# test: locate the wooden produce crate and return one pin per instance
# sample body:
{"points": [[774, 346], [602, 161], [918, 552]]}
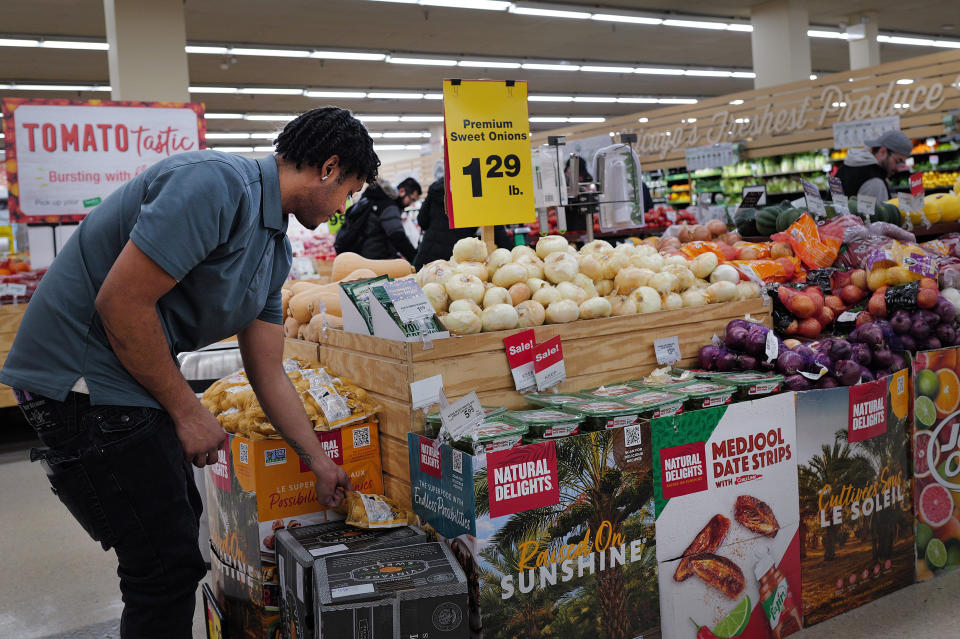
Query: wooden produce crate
{"points": [[596, 352], [10, 317]]}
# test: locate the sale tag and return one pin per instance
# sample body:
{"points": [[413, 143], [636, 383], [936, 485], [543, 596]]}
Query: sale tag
{"points": [[409, 300], [866, 205], [916, 183], [520, 358], [667, 349], [814, 202], [426, 392], [462, 418], [548, 367], [840, 203], [487, 153]]}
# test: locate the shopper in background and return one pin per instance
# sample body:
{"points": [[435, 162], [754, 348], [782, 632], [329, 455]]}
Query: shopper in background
{"points": [[373, 227], [438, 238], [865, 171], [191, 251]]}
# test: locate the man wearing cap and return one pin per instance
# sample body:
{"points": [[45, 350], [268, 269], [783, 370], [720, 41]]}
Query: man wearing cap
{"points": [[865, 172]]}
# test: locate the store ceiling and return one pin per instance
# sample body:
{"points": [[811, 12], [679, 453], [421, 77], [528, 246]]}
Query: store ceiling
{"points": [[447, 32]]}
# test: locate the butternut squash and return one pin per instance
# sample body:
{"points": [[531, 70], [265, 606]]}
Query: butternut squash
{"points": [[305, 305], [346, 263], [359, 274], [300, 286], [285, 295], [291, 328]]}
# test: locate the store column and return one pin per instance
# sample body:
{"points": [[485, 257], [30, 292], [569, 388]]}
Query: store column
{"points": [[862, 36], [147, 58], [781, 47]]}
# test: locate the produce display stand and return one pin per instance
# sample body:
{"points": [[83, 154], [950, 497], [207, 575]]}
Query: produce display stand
{"points": [[596, 352], [10, 317]]}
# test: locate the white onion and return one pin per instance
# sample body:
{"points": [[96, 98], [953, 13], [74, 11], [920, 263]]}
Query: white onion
{"points": [[535, 284], [693, 298], [551, 244], [622, 305], [497, 259], [630, 279], [462, 322], [465, 287], [700, 284], [477, 269], [748, 290], [560, 267], [677, 260], [596, 247], [469, 249], [604, 287], [664, 282], [570, 291], [496, 295], [547, 295], [465, 305], [672, 302], [628, 249], [509, 274], [532, 263], [530, 313], [704, 264], [611, 263], [721, 291], [590, 266], [683, 274], [586, 284], [437, 295], [438, 271], [562, 311], [725, 273], [653, 262], [519, 292], [595, 307], [647, 300], [522, 250], [645, 249], [499, 317]]}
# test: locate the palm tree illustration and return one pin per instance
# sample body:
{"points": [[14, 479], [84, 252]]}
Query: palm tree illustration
{"points": [[835, 466]]}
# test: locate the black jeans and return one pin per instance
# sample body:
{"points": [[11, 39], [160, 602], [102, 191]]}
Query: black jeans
{"points": [[120, 472]]}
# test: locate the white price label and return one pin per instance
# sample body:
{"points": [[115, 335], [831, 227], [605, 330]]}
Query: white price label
{"points": [[814, 202], [772, 347], [551, 376], [815, 376], [348, 591], [462, 417], [668, 350], [911, 203], [934, 160], [519, 348], [409, 300], [17, 290], [328, 550], [847, 316], [426, 392], [866, 205]]}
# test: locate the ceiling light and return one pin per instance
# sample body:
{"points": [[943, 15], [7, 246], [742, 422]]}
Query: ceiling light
{"points": [[947, 44], [813, 76], [637, 100], [68, 44], [614, 17], [405, 134], [904, 81], [818, 33], [213, 89], [263, 136], [378, 118], [530, 9], [743, 74], [595, 98], [550, 98], [695, 24], [489, 64], [396, 147], [489, 5], [18, 42], [742, 27], [228, 136], [421, 118], [56, 87], [536, 66], [223, 116], [691, 120], [274, 53], [577, 119], [432, 96], [708, 73], [430, 62], [268, 117], [270, 91], [736, 102], [194, 48], [643, 120], [657, 71], [920, 42], [348, 55], [604, 69], [385, 95], [335, 94], [548, 119], [263, 149], [677, 100]]}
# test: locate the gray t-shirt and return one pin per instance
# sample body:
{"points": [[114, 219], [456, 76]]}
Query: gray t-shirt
{"points": [[213, 221]]}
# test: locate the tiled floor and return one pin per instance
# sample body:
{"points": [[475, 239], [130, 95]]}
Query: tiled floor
{"points": [[58, 584]]}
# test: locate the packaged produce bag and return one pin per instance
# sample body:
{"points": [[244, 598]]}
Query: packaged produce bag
{"points": [[814, 250]]}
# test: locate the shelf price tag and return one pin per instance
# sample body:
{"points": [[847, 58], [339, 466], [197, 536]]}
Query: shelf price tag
{"points": [[840, 202], [520, 357], [916, 183], [814, 202], [335, 222], [753, 196], [668, 350], [910, 203], [487, 153], [409, 300], [426, 392], [462, 417], [548, 366], [866, 204]]}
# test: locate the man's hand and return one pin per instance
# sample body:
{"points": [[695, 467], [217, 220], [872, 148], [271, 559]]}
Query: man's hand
{"points": [[200, 435], [332, 482]]}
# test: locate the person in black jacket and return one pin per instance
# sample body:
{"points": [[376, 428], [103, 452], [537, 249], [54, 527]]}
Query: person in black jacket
{"points": [[438, 238], [865, 172], [383, 235]]}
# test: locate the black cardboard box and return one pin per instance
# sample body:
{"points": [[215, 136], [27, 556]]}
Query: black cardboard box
{"points": [[298, 549], [414, 592]]}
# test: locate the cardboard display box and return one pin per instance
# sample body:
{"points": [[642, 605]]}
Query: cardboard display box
{"points": [[725, 481], [251, 606], [259, 487], [936, 461], [555, 538], [415, 591], [856, 511], [298, 549]]}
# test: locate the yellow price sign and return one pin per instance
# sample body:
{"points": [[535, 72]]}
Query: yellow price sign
{"points": [[487, 153], [335, 222]]}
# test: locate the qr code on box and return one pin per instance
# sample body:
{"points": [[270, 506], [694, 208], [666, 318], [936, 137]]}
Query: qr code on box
{"points": [[244, 453], [631, 436], [457, 458], [361, 437]]}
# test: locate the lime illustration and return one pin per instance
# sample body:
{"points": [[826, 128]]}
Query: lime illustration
{"points": [[936, 554], [736, 622], [927, 383], [924, 534], [953, 553], [925, 410]]}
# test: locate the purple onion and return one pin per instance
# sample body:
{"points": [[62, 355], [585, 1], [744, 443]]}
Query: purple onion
{"points": [[797, 383], [945, 310], [848, 372], [735, 337], [933, 343], [908, 343], [841, 349], [883, 372], [927, 316], [747, 362], [866, 375], [790, 362], [726, 361], [901, 322], [946, 333], [708, 357], [920, 330], [828, 381], [861, 354], [882, 358], [899, 362]]}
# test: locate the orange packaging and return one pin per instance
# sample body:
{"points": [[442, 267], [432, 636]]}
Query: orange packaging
{"points": [[762, 248], [807, 244], [258, 487]]}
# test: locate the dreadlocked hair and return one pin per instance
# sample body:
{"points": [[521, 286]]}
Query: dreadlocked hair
{"points": [[313, 137]]}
